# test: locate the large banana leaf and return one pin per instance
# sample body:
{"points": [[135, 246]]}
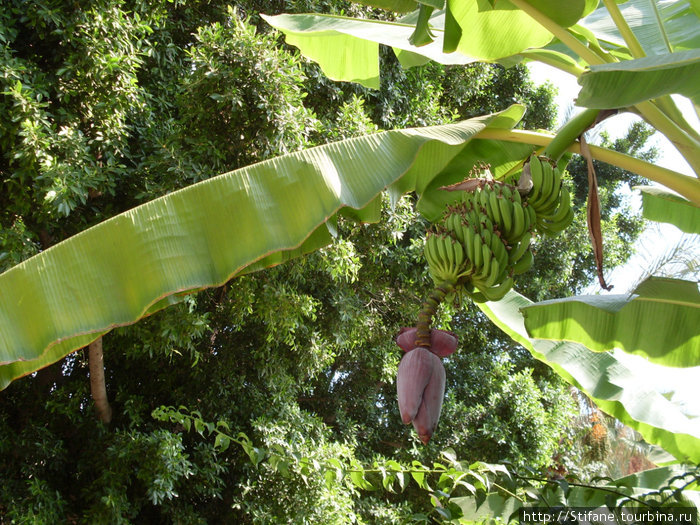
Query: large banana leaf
{"points": [[670, 336], [138, 262], [676, 25], [663, 206], [348, 48], [607, 381], [624, 84]]}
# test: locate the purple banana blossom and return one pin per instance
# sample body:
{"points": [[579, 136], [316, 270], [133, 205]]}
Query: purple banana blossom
{"points": [[420, 385]]}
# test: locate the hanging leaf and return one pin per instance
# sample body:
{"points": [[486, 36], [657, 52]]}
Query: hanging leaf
{"points": [[611, 385], [593, 213], [663, 206], [422, 35], [623, 84], [144, 259], [669, 335]]}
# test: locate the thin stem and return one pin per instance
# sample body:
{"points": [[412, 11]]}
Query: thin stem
{"points": [[630, 39], [521, 500], [688, 187], [582, 485], [560, 32]]}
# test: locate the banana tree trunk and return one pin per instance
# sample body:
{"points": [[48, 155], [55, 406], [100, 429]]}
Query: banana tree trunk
{"points": [[98, 389]]}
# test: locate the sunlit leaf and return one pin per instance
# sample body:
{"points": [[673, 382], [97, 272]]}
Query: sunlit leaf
{"points": [[611, 385], [398, 6], [679, 25], [114, 273], [347, 48], [663, 206], [474, 29], [603, 322], [563, 13]]}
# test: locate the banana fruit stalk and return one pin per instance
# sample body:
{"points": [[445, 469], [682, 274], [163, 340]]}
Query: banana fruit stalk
{"points": [[420, 385], [442, 342]]}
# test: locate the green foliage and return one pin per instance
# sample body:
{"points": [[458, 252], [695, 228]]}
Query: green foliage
{"points": [[110, 104]]}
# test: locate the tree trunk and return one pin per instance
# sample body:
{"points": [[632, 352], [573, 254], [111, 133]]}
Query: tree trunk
{"points": [[97, 381]]}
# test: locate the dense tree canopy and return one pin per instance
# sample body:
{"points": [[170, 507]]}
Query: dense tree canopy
{"points": [[105, 105]]}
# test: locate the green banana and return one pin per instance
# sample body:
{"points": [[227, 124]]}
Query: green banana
{"points": [[536, 175], [547, 186], [495, 293], [518, 250], [494, 207], [519, 225], [486, 260], [524, 263], [562, 210], [531, 214], [554, 228], [550, 204], [506, 210], [498, 248]]}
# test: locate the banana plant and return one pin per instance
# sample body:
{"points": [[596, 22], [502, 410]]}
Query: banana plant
{"points": [[627, 56], [143, 260], [147, 258]]}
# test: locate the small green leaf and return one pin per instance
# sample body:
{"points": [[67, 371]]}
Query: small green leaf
{"points": [[330, 477], [222, 442]]}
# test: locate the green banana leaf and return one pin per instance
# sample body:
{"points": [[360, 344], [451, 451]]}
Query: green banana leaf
{"points": [[604, 322], [475, 29], [565, 14], [144, 259], [663, 206], [348, 48], [623, 84], [676, 25], [610, 384]]}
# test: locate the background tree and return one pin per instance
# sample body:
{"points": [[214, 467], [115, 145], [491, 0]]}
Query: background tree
{"points": [[106, 105]]}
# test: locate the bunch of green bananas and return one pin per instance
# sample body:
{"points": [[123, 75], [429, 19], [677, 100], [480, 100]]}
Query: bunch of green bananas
{"points": [[482, 241], [550, 200]]}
